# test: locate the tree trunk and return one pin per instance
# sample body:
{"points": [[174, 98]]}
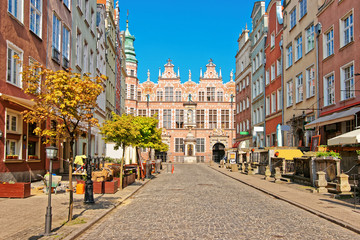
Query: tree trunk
{"points": [[138, 163], [71, 190], [122, 167]]}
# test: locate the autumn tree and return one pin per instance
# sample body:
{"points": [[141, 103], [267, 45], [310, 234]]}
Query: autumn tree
{"points": [[127, 130], [65, 97]]}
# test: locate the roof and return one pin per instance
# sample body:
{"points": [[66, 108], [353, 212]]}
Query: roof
{"points": [[334, 118], [289, 154]]}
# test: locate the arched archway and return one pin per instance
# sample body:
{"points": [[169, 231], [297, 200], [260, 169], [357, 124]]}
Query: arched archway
{"points": [[218, 152]]}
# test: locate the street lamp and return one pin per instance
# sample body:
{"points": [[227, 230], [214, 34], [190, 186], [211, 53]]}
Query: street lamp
{"points": [[51, 153], [89, 194]]}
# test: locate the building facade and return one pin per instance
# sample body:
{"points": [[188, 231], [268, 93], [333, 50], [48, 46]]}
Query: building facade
{"points": [[206, 107], [258, 39], [243, 123], [273, 74], [23, 31], [338, 63], [300, 70]]}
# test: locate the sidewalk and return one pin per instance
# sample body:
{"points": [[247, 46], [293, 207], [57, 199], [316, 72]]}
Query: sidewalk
{"points": [[323, 205], [25, 218]]}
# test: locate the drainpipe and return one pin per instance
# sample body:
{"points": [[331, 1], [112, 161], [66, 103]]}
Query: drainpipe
{"points": [[318, 32], [282, 88]]}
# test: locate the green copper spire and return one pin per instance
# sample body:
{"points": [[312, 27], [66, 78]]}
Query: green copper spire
{"points": [[129, 45]]}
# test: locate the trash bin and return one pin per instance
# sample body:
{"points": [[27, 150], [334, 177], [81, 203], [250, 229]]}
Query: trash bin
{"points": [[157, 165], [148, 169]]}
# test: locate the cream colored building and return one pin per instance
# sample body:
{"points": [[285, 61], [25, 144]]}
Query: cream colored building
{"points": [[300, 70]]}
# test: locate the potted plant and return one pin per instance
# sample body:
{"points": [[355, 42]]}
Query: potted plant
{"points": [[322, 148], [330, 154]]}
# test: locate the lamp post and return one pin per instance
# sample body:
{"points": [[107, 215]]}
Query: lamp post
{"points": [[51, 153], [89, 194]]}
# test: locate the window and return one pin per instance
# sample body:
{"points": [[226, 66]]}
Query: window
{"points": [[67, 3], [237, 88], [200, 118], [210, 94], [243, 105], [298, 52], [267, 106], [310, 82], [240, 107], [347, 82], [220, 97], [12, 121], [201, 96], [169, 94], [309, 45], [289, 93], [279, 67], [267, 77], [78, 49], [66, 47], [35, 16], [132, 111], [159, 96], [200, 145], [254, 117], [272, 72], [299, 88], [179, 145], [279, 99], [155, 114], [86, 12], [254, 90], [132, 92], [213, 118], [15, 7], [13, 68], [12, 147], [303, 8], [167, 118], [225, 121], [272, 42], [247, 125], [247, 102], [293, 18], [91, 62], [247, 81], [273, 102], [132, 73], [86, 58], [237, 128], [56, 38], [139, 96], [329, 90], [289, 56], [348, 30], [178, 96], [240, 130], [329, 43], [179, 118], [142, 112]]}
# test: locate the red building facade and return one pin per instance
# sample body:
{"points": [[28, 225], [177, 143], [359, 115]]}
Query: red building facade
{"points": [[273, 72], [21, 152]]}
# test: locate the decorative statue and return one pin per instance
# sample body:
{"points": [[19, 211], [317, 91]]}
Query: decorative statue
{"points": [[189, 97], [189, 116], [190, 150]]}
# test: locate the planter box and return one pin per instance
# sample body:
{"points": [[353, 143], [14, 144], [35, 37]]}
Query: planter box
{"points": [[124, 183], [16, 190], [111, 187], [131, 179], [118, 180], [98, 187]]}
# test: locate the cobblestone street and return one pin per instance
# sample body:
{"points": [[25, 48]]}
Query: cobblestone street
{"points": [[197, 202]]}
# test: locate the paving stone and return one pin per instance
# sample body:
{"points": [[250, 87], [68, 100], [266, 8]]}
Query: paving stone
{"points": [[198, 203]]}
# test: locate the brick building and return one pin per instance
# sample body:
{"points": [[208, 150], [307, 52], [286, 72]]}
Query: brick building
{"points": [[273, 72], [23, 31], [339, 84]]}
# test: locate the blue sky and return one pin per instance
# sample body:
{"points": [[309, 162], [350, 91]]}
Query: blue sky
{"points": [[188, 32]]}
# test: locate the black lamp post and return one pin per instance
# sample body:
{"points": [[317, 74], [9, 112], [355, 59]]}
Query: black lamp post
{"points": [[89, 186], [51, 153]]}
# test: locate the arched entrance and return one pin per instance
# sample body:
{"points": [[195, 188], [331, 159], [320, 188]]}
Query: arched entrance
{"points": [[218, 152]]}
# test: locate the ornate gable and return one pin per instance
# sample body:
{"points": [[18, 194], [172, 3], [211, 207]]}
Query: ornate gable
{"points": [[169, 70], [211, 71]]}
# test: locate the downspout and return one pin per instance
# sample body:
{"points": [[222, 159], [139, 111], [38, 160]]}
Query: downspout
{"points": [[282, 89], [318, 31]]}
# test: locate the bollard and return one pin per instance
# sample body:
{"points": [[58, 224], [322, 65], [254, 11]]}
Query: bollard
{"points": [[234, 167], [321, 183], [343, 185], [267, 173], [243, 167], [249, 168], [277, 175]]}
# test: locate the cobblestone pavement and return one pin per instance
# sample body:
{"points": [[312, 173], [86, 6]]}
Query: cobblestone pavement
{"points": [[197, 202]]}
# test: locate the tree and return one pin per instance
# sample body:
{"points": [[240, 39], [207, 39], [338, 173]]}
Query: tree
{"points": [[127, 130], [65, 97]]}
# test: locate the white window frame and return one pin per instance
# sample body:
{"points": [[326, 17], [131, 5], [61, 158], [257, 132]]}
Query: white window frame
{"points": [[289, 93], [200, 145], [289, 56], [292, 18], [273, 102], [17, 13], [67, 3], [328, 43], [78, 48], [267, 105], [272, 40], [329, 97], [279, 99], [299, 88], [267, 77], [36, 11], [310, 38], [66, 43], [347, 29], [15, 77], [273, 72], [299, 47], [302, 8], [310, 81], [278, 67], [343, 81]]}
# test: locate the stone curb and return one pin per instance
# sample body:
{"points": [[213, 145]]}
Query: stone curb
{"points": [[81, 230], [306, 208]]}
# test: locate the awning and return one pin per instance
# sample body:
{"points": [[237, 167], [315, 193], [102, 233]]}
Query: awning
{"points": [[21, 101], [235, 145], [334, 118], [352, 137], [289, 154]]}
